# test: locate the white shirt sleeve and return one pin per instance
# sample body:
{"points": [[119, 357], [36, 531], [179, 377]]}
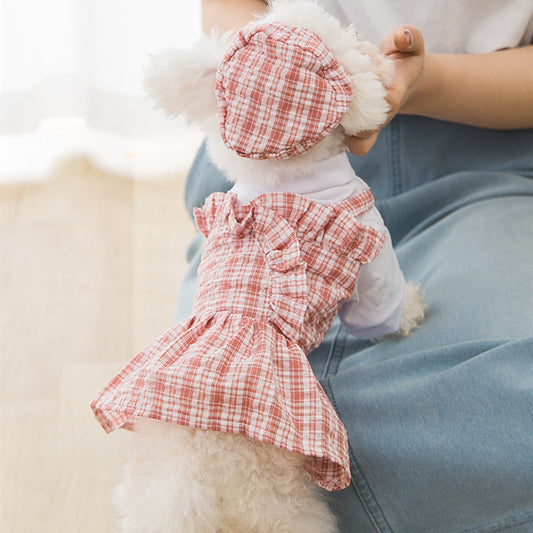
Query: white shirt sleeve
{"points": [[375, 307]]}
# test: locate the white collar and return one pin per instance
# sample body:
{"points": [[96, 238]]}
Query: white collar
{"points": [[330, 180]]}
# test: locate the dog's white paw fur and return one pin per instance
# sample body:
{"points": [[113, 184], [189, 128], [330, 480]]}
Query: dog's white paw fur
{"points": [[413, 310], [183, 480]]}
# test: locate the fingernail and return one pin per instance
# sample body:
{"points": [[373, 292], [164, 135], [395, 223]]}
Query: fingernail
{"points": [[409, 37]]}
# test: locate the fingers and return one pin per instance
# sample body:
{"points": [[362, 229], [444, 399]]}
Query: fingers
{"points": [[404, 45], [403, 40], [408, 39], [361, 145]]}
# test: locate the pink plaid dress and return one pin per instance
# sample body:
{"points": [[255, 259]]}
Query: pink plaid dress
{"points": [[272, 277]]}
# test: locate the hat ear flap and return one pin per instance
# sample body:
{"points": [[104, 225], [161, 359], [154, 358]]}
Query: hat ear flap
{"points": [[181, 82]]}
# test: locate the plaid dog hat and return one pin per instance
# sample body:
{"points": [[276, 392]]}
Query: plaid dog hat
{"points": [[280, 91]]}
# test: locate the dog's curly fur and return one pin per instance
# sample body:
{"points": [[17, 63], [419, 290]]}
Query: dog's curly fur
{"points": [[184, 480], [179, 479]]}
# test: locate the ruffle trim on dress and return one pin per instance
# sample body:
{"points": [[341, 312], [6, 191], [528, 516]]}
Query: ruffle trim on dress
{"points": [[238, 376], [284, 222], [331, 226], [281, 251]]}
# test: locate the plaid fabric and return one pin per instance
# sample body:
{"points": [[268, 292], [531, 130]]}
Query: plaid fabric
{"points": [[280, 91], [271, 279]]}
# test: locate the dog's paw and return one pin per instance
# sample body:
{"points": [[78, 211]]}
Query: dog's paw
{"points": [[413, 310]]}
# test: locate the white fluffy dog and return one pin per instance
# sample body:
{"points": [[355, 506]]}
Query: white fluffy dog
{"points": [[184, 479]]}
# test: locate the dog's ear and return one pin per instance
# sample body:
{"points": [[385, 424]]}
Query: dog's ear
{"points": [[371, 76], [181, 82]]}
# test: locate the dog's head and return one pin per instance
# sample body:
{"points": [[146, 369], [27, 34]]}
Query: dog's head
{"points": [[278, 95]]}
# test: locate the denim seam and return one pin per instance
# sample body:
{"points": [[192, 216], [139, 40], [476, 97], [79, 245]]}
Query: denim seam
{"points": [[502, 525], [335, 353], [367, 497], [395, 158], [359, 481]]}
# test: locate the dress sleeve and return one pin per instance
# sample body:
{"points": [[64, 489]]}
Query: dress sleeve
{"points": [[375, 307]]}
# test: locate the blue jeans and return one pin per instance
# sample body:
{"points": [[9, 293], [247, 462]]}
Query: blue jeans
{"points": [[440, 424]]}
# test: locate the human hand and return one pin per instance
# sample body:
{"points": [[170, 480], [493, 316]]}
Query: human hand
{"points": [[405, 46]]}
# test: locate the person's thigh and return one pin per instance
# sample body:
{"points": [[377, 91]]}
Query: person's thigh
{"points": [[441, 424]]}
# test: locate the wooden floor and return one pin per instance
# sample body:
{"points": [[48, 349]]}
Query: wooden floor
{"points": [[89, 267]]}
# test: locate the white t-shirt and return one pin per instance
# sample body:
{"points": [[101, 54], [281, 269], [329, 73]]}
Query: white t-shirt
{"points": [[375, 308], [448, 26]]}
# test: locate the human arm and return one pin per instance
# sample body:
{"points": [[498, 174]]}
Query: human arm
{"points": [[491, 90], [227, 15]]}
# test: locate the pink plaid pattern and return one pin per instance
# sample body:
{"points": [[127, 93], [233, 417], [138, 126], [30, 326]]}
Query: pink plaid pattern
{"points": [[280, 91], [273, 274]]}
